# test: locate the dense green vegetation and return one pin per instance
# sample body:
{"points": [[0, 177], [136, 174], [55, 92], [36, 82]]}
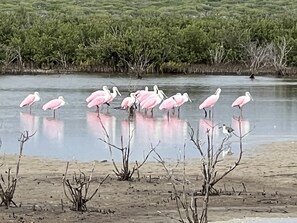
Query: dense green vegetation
{"points": [[149, 36], [196, 8]]}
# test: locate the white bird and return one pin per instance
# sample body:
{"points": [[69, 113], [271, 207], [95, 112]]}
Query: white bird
{"points": [[227, 130], [227, 151]]}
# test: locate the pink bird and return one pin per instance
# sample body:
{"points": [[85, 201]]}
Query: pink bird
{"points": [[210, 101], [145, 94], [140, 92], [114, 93], [97, 93], [180, 100], [242, 100], [54, 104], [169, 103], [152, 101], [99, 101], [128, 102], [30, 100]]}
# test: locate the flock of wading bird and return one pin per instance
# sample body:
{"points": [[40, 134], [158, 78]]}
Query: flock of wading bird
{"points": [[142, 99]]}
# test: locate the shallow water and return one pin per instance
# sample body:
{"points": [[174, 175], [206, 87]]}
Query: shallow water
{"points": [[74, 133]]}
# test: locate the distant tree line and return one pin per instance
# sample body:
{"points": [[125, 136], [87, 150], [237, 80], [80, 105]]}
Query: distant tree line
{"points": [[147, 43]]}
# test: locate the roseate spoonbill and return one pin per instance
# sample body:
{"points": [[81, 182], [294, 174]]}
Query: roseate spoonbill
{"points": [[152, 101], [138, 93], [99, 101], [114, 93], [128, 102], [145, 94], [210, 101], [242, 100], [169, 103], [54, 104], [180, 100], [30, 100], [97, 93]]}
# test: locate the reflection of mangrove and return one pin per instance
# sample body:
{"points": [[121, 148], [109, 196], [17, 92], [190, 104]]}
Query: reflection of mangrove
{"points": [[53, 129], [29, 122], [95, 127]]}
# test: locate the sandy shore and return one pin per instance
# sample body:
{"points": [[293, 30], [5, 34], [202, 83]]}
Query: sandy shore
{"points": [[268, 172]]}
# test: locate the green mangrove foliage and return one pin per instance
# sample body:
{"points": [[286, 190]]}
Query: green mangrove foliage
{"points": [[150, 42]]}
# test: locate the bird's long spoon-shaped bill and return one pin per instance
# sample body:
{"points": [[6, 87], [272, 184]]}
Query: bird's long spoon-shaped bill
{"points": [[118, 92], [162, 92]]}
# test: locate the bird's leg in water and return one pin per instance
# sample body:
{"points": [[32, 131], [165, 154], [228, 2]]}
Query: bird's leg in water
{"points": [[205, 112], [131, 111]]}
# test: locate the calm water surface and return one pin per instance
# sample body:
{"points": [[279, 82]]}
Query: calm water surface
{"points": [[74, 133]]}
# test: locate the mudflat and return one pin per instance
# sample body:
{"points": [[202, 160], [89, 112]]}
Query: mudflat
{"points": [[263, 185]]}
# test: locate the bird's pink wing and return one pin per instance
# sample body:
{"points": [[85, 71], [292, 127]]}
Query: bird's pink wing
{"points": [[179, 100], [145, 95], [125, 103], [94, 95], [28, 100], [53, 104], [98, 101], [148, 103], [209, 102], [167, 104], [238, 101]]}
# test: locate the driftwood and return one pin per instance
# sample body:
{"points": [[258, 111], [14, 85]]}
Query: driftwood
{"points": [[125, 172], [77, 189], [8, 183], [186, 195]]}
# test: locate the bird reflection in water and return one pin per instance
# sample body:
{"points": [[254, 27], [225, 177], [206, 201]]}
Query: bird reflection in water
{"points": [[53, 129], [146, 127], [128, 131], [208, 125], [29, 122], [238, 123], [227, 150], [95, 123], [174, 129]]}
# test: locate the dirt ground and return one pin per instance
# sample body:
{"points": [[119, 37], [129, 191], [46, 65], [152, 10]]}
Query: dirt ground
{"points": [[268, 173]]}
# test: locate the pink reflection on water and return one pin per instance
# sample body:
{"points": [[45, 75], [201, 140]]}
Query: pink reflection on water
{"points": [[53, 129], [29, 122], [128, 131], [147, 127], [208, 125], [238, 122], [171, 132], [174, 129], [95, 128]]}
